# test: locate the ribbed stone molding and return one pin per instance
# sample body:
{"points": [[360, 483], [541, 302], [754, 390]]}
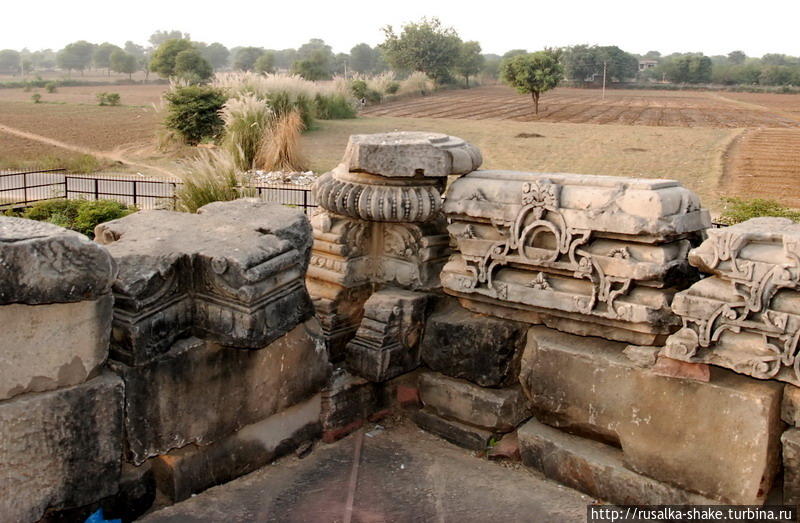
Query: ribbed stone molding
{"points": [[375, 198]]}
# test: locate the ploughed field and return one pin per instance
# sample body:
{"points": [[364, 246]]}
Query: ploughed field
{"points": [[620, 107]]}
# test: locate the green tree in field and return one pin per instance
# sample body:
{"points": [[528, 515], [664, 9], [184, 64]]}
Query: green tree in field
{"points": [[191, 66], [736, 57], [363, 58], [101, 57], [265, 63], [580, 63], [246, 57], [316, 67], [76, 56], [533, 73], [135, 50], [688, 68], [161, 36], [470, 60], [122, 62], [491, 64], [620, 66], [10, 61], [216, 54], [425, 46], [163, 60], [194, 112], [514, 52]]}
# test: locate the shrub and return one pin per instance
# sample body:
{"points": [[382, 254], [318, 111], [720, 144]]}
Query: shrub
{"points": [[79, 215], [737, 210], [333, 107], [246, 120], [51, 87], [280, 147], [108, 98], [359, 88], [211, 177], [194, 112], [37, 98], [392, 87]]}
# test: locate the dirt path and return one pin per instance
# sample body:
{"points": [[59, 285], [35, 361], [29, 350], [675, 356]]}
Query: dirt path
{"points": [[108, 155]]}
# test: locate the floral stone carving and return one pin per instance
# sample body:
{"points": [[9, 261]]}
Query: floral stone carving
{"points": [[591, 255]]}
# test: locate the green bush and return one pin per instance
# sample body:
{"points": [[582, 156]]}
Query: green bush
{"points": [[282, 104], [108, 98], [194, 112], [37, 98], [359, 88], [51, 87], [392, 87], [79, 215], [333, 107], [737, 210]]}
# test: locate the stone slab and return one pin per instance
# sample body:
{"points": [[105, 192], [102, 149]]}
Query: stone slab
{"points": [[496, 410], [461, 434], [193, 468], [791, 466], [594, 468], [674, 430], [43, 263], [475, 347], [60, 449], [790, 406], [200, 392], [44, 347]]}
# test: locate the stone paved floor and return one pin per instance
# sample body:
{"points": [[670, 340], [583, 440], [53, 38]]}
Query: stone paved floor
{"points": [[403, 474]]}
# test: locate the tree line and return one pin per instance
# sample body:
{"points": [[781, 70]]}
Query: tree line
{"points": [[425, 46]]}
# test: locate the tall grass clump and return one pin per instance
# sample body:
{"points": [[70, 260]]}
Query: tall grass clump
{"points": [[280, 146], [246, 119], [417, 84], [211, 177]]}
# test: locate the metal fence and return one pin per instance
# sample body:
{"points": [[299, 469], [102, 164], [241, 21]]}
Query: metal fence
{"points": [[23, 188]]}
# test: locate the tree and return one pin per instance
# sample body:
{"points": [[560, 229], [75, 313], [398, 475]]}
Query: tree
{"points": [[491, 64], [216, 54], [101, 57], [159, 37], [122, 62], [470, 60], [191, 66], [775, 59], [75, 56], [163, 60], [245, 58], [316, 67], [134, 50], [514, 52], [620, 65], [580, 63], [10, 61], [736, 57], [194, 112], [265, 63], [363, 58], [533, 73], [284, 58], [688, 68], [426, 46]]}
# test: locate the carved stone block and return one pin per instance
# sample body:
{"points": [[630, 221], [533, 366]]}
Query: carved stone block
{"points": [[42, 263], [233, 274], [745, 317], [199, 391], [677, 431], [591, 255], [387, 341]]}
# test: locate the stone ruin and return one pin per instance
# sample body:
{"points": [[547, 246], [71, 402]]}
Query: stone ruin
{"points": [[594, 327]]}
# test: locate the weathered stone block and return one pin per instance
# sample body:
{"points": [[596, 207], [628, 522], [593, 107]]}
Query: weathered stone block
{"points": [[590, 255], [193, 468], [233, 274], [475, 347], [44, 347], [410, 154], [790, 406], [461, 434], [496, 410], [594, 468], [347, 401], [675, 430], [791, 466], [42, 263], [200, 391], [746, 317], [387, 342], [60, 449]]}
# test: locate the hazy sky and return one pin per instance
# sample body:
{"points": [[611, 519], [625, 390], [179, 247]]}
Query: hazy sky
{"points": [[710, 26]]}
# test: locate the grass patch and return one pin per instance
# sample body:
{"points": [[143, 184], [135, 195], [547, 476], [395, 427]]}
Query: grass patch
{"points": [[737, 210]]}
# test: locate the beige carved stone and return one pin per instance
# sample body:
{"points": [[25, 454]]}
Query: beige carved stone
{"points": [[380, 223], [746, 316], [592, 255]]}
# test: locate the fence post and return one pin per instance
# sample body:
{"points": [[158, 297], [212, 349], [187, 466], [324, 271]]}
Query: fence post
{"points": [[96, 189], [134, 193], [305, 201], [25, 187], [66, 187]]}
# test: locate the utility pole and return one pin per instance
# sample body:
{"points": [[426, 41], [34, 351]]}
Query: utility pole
{"points": [[605, 64]]}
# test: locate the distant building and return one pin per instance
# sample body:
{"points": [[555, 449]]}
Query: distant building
{"points": [[647, 64]]}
